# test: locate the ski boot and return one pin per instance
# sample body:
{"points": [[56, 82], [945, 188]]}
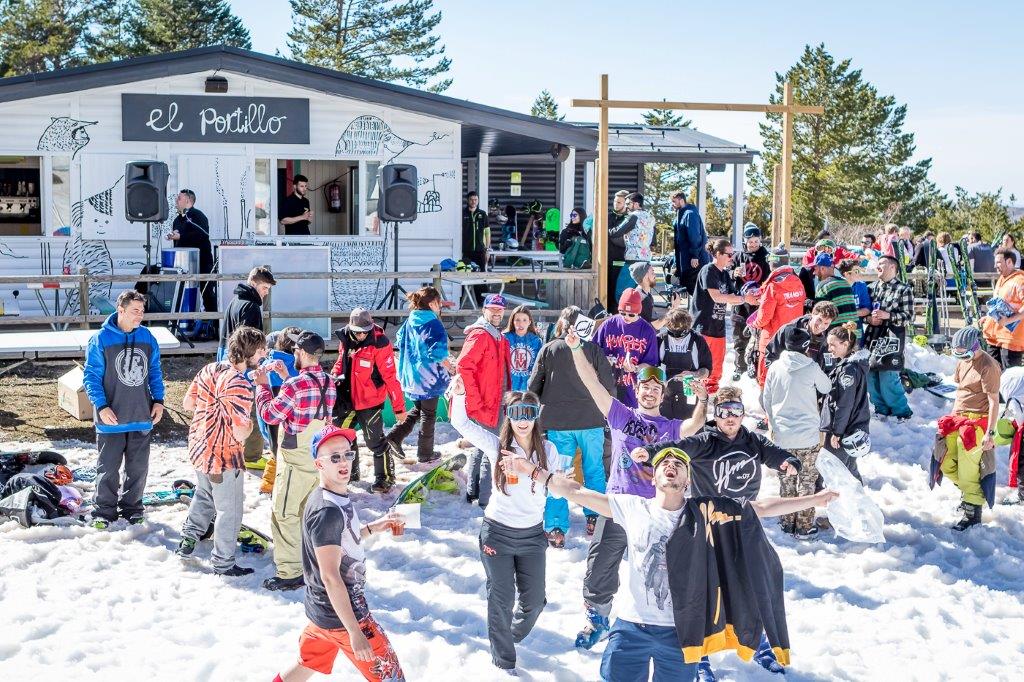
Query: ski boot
{"points": [[595, 630], [971, 517]]}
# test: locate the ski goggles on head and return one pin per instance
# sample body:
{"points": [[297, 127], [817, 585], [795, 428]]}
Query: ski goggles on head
{"points": [[649, 372], [674, 453], [522, 412], [730, 409]]}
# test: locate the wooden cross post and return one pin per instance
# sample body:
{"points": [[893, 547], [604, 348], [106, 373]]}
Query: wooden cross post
{"points": [[788, 109]]}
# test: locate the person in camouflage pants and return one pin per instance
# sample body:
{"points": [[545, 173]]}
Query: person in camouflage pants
{"points": [[802, 484]]}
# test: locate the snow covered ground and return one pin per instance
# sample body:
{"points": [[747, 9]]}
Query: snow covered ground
{"points": [[929, 604]]}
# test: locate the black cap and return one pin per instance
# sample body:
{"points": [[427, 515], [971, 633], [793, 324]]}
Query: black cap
{"points": [[311, 342]]}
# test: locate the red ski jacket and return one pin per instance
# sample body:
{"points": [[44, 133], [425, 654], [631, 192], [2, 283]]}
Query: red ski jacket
{"points": [[484, 365], [373, 376], [782, 301]]}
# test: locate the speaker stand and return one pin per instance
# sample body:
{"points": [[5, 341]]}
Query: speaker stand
{"points": [[396, 294]]}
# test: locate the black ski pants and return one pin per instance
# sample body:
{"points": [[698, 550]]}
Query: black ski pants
{"points": [[514, 562]]}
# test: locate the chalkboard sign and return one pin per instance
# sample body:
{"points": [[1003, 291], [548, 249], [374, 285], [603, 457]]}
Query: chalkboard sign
{"points": [[208, 118]]}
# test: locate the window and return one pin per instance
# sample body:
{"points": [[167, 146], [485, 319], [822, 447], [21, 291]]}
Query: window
{"points": [[20, 196], [60, 195], [372, 197], [262, 199]]}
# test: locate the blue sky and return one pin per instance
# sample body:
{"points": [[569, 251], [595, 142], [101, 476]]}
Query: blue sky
{"points": [[957, 65]]}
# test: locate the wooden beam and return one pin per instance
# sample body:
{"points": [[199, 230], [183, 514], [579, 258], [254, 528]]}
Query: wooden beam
{"points": [[601, 201], [787, 166], [604, 103]]}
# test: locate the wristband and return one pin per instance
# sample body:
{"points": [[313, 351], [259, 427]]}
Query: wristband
{"points": [[548, 479]]}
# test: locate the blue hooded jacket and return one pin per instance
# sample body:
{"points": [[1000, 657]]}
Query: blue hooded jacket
{"points": [[690, 237], [422, 343], [122, 372]]}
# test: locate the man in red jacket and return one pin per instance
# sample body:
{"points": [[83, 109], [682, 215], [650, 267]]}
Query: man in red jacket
{"points": [[484, 365], [782, 301], [365, 372]]}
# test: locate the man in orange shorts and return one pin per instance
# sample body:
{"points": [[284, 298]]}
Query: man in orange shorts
{"points": [[335, 573]]}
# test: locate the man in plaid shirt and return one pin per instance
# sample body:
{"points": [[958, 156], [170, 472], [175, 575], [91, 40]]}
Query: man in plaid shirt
{"points": [[886, 337], [302, 408]]}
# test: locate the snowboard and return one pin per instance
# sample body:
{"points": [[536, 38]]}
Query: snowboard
{"points": [[252, 541], [180, 491], [943, 390], [438, 478]]}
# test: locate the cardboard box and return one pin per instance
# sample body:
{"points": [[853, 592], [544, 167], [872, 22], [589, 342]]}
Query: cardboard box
{"points": [[71, 395]]}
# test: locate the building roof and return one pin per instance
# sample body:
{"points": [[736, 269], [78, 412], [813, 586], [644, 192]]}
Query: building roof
{"points": [[484, 128], [643, 143]]}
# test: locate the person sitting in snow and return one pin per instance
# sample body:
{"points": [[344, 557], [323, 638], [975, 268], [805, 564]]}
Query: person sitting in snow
{"points": [[964, 445]]}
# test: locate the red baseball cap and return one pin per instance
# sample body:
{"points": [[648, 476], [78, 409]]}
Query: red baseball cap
{"points": [[630, 301], [327, 433]]}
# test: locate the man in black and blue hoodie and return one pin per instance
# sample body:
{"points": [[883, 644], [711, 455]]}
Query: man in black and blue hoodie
{"points": [[125, 384]]}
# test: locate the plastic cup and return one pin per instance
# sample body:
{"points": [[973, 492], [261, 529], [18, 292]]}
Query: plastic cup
{"points": [[687, 385], [397, 527], [511, 476]]}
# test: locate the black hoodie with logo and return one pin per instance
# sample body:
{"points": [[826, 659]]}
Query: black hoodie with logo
{"points": [[728, 468]]}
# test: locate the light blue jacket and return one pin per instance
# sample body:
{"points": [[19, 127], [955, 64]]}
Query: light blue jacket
{"points": [[422, 344]]}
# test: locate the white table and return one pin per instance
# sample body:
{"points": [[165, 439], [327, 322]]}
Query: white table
{"points": [[541, 258], [468, 284], [30, 344], [58, 309]]}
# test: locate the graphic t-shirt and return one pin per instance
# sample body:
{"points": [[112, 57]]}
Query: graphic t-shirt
{"points": [[645, 597], [630, 430], [330, 519], [617, 338], [524, 350], [708, 316], [223, 399]]}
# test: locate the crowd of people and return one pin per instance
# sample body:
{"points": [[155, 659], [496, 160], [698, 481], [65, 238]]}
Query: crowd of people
{"points": [[641, 406]]}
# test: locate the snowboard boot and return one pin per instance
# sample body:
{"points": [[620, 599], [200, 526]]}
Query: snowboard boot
{"points": [[100, 523], [971, 517], [135, 519], [236, 571], [278, 583], [595, 630], [704, 671], [556, 538], [186, 547]]}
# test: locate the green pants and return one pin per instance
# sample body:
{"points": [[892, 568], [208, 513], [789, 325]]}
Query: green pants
{"points": [[296, 478], [963, 467]]}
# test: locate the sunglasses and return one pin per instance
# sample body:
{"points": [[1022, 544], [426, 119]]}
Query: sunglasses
{"points": [[651, 372], [674, 453], [336, 458], [522, 412], [730, 409]]}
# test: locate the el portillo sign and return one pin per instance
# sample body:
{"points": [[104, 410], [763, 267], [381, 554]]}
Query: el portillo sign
{"points": [[206, 118]]}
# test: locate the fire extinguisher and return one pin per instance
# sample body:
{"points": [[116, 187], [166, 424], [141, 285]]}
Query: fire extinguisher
{"points": [[334, 197]]}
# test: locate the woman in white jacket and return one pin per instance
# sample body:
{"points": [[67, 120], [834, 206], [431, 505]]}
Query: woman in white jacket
{"points": [[790, 401], [512, 539]]}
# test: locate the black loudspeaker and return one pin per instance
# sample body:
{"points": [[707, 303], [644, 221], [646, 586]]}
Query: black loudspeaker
{"points": [[397, 193], [145, 191]]}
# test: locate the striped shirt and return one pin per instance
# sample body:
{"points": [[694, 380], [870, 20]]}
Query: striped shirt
{"points": [[302, 398], [838, 291], [223, 402]]}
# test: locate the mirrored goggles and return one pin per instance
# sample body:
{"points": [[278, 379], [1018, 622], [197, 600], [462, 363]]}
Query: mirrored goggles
{"points": [[651, 372], [963, 353], [522, 412], [730, 409], [336, 457], [675, 453]]}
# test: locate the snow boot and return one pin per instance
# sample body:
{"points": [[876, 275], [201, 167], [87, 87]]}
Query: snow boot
{"points": [[971, 517], [556, 538], [595, 630], [765, 657]]}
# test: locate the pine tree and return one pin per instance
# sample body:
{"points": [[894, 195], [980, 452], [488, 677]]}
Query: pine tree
{"points": [[851, 163], [372, 38], [545, 106], [170, 25], [661, 180], [113, 35], [41, 35]]}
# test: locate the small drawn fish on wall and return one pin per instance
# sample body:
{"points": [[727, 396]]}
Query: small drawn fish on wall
{"points": [[65, 134]]}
